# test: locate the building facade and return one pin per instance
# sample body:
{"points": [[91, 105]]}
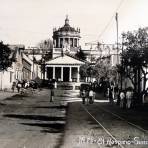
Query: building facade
{"points": [[65, 39], [64, 66], [22, 69]]}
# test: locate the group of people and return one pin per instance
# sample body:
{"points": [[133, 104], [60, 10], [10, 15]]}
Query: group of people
{"points": [[17, 85], [126, 98], [22, 84], [88, 96]]}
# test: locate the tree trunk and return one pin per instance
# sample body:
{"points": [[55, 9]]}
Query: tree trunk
{"points": [[139, 86]]}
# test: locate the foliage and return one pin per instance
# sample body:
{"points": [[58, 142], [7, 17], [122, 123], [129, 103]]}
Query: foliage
{"points": [[134, 57], [103, 69], [84, 70], [80, 54], [6, 57], [46, 47], [45, 44], [47, 56]]}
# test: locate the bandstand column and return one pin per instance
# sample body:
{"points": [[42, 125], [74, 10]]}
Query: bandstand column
{"points": [[45, 73], [63, 40], [55, 44], [69, 41], [61, 73], [73, 42], [70, 72], [78, 75], [53, 73], [58, 42], [77, 42]]}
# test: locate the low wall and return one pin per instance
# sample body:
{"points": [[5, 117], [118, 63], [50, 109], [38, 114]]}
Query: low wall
{"points": [[68, 85]]}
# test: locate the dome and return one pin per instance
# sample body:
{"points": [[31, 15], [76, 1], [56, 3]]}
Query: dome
{"points": [[67, 27]]}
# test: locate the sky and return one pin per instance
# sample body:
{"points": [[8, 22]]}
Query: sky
{"points": [[30, 21]]}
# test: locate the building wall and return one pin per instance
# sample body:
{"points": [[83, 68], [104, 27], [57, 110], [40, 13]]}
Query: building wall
{"points": [[20, 70], [6, 79]]}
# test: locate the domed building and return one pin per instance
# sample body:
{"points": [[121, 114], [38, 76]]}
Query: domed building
{"points": [[65, 39], [64, 66]]}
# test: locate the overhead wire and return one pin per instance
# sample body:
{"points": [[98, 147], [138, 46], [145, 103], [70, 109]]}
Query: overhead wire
{"points": [[110, 20]]}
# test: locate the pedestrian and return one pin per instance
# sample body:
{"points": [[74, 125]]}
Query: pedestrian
{"points": [[107, 93], [19, 85], [122, 99], [91, 96], [55, 84], [23, 83], [110, 96], [129, 95], [83, 95], [13, 86], [51, 95]]}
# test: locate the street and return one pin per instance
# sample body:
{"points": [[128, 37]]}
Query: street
{"points": [[31, 121], [34, 122]]}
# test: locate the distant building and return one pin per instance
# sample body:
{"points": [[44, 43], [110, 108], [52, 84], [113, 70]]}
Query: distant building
{"points": [[65, 39], [20, 70], [64, 66], [102, 52]]}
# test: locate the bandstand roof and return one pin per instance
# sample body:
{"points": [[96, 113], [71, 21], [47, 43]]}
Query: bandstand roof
{"points": [[65, 60]]}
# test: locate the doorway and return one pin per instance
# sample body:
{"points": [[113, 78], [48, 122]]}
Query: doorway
{"points": [[66, 74]]}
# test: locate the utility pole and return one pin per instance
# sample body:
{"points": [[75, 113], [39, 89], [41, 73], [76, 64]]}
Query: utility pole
{"points": [[33, 65], [116, 17], [91, 63], [1, 80], [117, 37]]}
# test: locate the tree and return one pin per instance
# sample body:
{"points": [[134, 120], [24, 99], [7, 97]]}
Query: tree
{"points": [[103, 69], [84, 70], [87, 71], [46, 47], [80, 54], [134, 59], [6, 57]]}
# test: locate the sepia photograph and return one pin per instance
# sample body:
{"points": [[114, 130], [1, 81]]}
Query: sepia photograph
{"points": [[74, 74]]}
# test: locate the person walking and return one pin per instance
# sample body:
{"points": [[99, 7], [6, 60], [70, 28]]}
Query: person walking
{"points": [[83, 96], [19, 85], [91, 96], [51, 95], [129, 95], [110, 96], [55, 84], [13, 86], [122, 99]]}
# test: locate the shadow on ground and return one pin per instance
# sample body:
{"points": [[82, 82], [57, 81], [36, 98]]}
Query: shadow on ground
{"points": [[55, 107], [48, 127], [57, 126], [35, 117], [15, 97]]}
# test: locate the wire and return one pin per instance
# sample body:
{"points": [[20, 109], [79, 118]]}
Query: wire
{"points": [[108, 24], [117, 9]]}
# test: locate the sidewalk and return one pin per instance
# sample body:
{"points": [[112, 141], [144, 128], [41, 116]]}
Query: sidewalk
{"points": [[6, 94], [32, 121]]}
